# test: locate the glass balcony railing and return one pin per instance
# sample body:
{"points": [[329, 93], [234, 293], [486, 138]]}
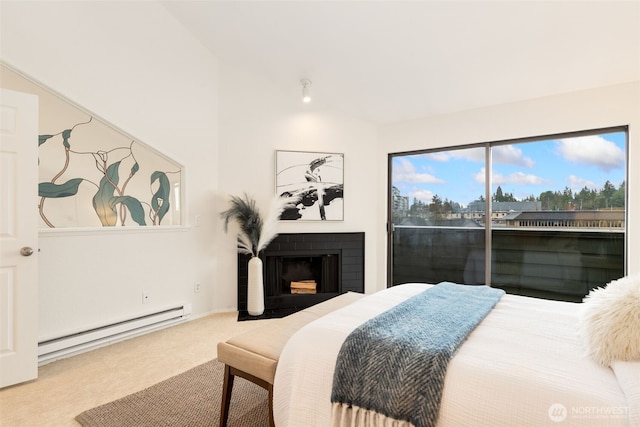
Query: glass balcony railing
{"points": [[554, 264]]}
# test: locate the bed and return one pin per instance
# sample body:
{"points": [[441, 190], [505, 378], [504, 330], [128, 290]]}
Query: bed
{"points": [[523, 365]]}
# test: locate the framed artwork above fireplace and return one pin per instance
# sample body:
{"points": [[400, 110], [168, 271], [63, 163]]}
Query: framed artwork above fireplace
{"points": [[318, 178]]}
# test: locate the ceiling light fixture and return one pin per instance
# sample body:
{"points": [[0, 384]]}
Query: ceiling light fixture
{"points": [[306, 97]]}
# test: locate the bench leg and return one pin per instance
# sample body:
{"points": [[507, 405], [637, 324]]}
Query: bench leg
{"points": [[271, 421], [227, 387]]}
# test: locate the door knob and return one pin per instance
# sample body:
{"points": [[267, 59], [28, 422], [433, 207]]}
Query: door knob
{"points": [[26, 251]]}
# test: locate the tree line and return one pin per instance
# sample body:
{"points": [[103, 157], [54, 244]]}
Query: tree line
{"points": [[608, 197]]}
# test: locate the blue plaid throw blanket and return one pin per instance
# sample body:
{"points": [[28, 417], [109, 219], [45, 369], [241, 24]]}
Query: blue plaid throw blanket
{"points": [[395, 363]]}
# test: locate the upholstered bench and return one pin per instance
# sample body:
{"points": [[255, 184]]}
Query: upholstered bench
{"points": [[254, 355]]}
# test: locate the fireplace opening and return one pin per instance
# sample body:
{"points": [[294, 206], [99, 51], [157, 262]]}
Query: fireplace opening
{"points": [[307, 274]]}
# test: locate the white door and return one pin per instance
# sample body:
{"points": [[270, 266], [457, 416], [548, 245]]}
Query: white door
{"points": [[18, 237]]}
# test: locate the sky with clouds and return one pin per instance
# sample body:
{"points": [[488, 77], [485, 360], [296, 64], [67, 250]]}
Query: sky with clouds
{"points": [[522, 169]]}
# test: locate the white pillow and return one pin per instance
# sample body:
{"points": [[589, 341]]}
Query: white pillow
{"points": [[609, 321]]}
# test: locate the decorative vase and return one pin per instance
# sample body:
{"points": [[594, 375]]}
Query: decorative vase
{"points": [[255, 288]]}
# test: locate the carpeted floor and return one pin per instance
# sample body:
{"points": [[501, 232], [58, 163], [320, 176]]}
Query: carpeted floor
{"points": [[190, 399]]}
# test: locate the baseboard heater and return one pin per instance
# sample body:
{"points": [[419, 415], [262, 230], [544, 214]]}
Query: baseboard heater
{"points": [[68, 345]]}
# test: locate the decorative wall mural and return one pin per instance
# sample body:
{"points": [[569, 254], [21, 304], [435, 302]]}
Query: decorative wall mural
{"points": [[94, 175], [318, 178]]}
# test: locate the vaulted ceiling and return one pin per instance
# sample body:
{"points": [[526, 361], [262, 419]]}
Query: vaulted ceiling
{"points": [[389, 61]]}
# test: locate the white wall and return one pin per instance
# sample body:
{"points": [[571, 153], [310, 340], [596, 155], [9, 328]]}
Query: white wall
{"points": [[133, 65], [255, 121], [592, 109]]}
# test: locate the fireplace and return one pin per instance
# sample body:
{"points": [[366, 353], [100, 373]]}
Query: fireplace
{"points": [[303, 269], [320, 270]]}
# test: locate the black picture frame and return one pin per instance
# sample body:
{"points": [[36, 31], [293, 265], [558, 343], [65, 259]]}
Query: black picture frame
{"points": [[318, 178]]}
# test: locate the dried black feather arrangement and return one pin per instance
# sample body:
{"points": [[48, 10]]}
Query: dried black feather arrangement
{"points": [[255, 234]]}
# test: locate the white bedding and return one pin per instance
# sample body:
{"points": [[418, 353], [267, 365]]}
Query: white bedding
{"points": [[523, 365]]}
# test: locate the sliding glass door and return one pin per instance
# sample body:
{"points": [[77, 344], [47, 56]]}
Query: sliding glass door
{"points": [[542, 216]]}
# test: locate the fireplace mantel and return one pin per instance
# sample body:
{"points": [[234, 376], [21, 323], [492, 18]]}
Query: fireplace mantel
{"points": [[336, 259]]}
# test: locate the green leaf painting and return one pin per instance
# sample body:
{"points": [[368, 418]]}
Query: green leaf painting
{"points": [[93, 174], [134, 206], [66, 134], [107, 213], [160, 200], [123, 196], [43, 138], [69, 188]]}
